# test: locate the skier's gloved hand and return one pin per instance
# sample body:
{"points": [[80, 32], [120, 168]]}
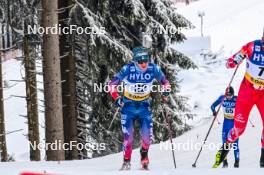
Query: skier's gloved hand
{"points": [[165, 97], [214, 113], [238, 58], [230, 63], [119, 102]]}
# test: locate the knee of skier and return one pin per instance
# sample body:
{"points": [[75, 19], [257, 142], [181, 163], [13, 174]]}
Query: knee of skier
{"points": [[234, 133], [128, 140], [224, 136], [146, 138]]}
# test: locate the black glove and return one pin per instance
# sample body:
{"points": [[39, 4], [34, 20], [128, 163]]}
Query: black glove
{"points": [[214, 113], [238, 58], [119, 102]]}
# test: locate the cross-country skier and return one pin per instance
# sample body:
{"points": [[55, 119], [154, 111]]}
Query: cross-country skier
{"points": [[228, 102], [251, 93], [138, 77]]}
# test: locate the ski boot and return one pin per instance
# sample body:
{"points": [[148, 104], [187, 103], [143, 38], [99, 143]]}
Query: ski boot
{"points": [[221, 154], [261, 162], [225, 163], [144, 158], [126, 165], [236, 164]]}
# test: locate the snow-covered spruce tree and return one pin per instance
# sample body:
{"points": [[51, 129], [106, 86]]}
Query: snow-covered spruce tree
{"points": [[99, 57], [19, 15]]}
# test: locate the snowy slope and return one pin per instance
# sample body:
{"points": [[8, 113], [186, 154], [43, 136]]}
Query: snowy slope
{"points": [[230, 23], [242, 21]]}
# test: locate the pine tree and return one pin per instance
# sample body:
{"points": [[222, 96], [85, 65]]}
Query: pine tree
{"points": [[52, 82], [32, 98], [20, 15], [3, 148], [68, 82]]}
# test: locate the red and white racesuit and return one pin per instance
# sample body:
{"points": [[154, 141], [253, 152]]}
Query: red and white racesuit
{"points": [[251, 90]]}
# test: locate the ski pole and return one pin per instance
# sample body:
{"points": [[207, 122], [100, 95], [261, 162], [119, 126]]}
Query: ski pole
{"points": [[218, 109], [116, 112], [168, 121]]}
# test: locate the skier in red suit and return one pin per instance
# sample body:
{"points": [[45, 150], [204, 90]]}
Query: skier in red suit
{"points": [[251, 93]]}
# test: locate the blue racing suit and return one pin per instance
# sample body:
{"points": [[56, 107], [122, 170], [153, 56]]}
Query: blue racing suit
{"points": [[228, 107], [136, 99]]}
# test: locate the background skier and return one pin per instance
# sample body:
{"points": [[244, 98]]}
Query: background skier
{"points": [[228, 102], [138, 77]]}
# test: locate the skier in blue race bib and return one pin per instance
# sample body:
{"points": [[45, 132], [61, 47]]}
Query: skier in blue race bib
{"points": [[138, 77], [228, 104]]}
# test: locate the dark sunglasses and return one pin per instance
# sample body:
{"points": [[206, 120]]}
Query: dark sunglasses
{"points": [[142, 61]]}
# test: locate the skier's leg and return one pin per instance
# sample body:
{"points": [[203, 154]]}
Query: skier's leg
{"points": [[146, 131], [236, 153], [244, 104], [224, 137], [245, 101], [127, 122], [235, 144], [260, 106], [227, 125], [236, 149], [146, 134]]}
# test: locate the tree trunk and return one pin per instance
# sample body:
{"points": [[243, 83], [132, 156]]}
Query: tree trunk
{"points": [[3, 149], [8, 26], [32, 100], [68, 84], [52, 82]]}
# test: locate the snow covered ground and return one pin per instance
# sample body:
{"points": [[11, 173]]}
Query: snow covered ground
{"points": [[230, 24], [15, 110], [161, 158], [15, 107]]}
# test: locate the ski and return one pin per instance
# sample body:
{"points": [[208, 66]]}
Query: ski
{"points": [[126, 166], [145, 167]]}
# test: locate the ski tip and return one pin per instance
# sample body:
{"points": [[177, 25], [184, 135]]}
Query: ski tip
{"points": [[215, 166]]}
